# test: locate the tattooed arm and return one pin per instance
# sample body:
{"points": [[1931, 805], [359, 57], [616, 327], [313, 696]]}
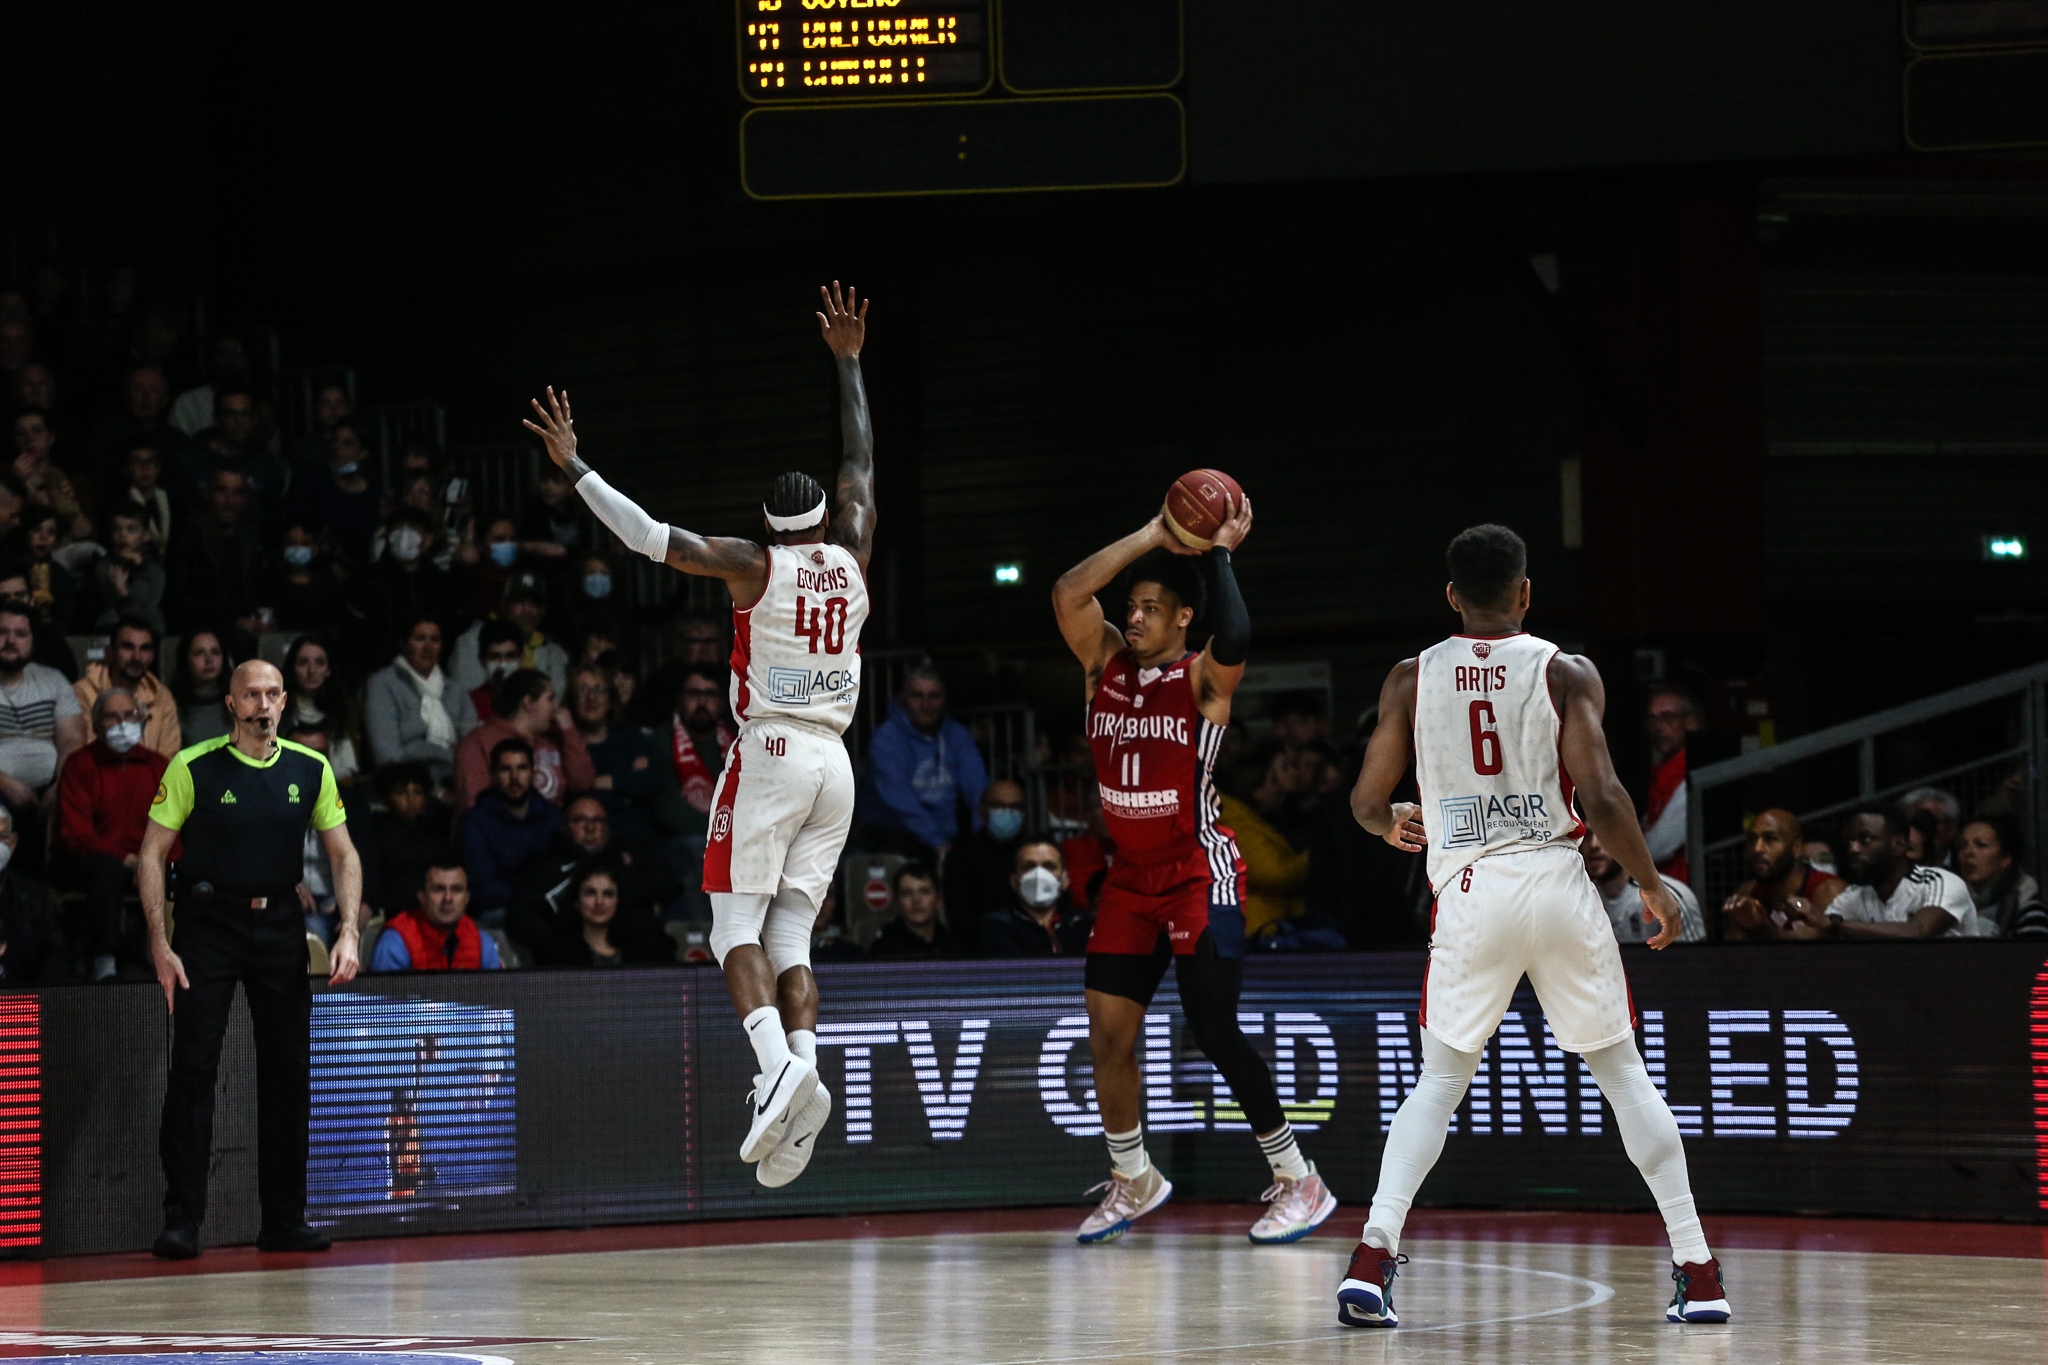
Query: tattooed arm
{"points": [[844, 324]]}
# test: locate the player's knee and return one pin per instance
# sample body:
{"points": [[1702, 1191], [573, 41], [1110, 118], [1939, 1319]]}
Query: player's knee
{"points": [[787, 934], [737, 920]]}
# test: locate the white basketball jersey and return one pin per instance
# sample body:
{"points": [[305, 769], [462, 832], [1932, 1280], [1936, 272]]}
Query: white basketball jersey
{"points": [[1486, 751], [796, 652]]}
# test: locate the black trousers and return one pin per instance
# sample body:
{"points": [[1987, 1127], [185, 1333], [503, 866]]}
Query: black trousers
{"points": [[264, 950], [108, 881]]}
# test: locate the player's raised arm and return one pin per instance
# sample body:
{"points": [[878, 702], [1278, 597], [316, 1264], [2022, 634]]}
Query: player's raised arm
{"points": [[1092, 638], [1387, 755], [1220, 666], [742, 563], [844, 324], [1608, 811]]}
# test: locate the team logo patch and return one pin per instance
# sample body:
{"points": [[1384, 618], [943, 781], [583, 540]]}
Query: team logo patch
{"points": [[818, 557], [1481, 648], [161, 795], [1464, 821], [721, 825], [291, 793], [227, 798]]}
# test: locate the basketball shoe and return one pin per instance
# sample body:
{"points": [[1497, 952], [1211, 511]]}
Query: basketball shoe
{"points": [[1700, 1296], [1294, 1209], [773, 1102], [1127, 1199], [1366, 1298], [788, 1160]]}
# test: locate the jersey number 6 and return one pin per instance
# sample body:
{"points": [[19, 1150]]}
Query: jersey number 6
{"points": [[826, 625], [1485, 740]]}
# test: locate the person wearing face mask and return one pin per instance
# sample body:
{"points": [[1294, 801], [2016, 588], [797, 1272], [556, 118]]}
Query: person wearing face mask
{"points": [[594, 606], [103, 807], [340, 494], [1040, 920], [483, 566], [307, 584], [497, 648], [525, 605], [979, 869], [405, 584]]}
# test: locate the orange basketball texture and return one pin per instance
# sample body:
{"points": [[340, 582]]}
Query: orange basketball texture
{"points": [[1198, 504]]}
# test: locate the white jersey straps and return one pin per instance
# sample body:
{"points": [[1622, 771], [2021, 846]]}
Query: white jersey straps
{"points": [[796, 652], [1486, 751]]}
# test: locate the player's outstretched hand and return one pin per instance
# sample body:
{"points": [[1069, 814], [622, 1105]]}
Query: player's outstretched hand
{"points": [[557, 428], [1407, 833], [1231, 533], [1659, 901], [844, 321], [1164, 538]]}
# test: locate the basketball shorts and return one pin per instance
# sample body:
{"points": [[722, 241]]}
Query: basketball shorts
{"points": [[780, 812], [1532, 913], [1180, 899]]}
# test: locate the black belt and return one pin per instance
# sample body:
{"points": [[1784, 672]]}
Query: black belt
{"points": [[206, 896]]}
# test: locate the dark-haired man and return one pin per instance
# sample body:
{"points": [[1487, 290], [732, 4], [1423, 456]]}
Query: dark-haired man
{"points": [[1888, 897], [1783, 889], [507, 828], [527, 709], [1669, 715], [776, 832], [130, 657], [1157, 710], [437, 934], [919, 929], [1040, 919], [699, 738], [1505, 733]]}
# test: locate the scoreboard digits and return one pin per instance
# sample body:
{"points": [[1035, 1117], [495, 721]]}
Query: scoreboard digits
{"points": [[810, 50]]}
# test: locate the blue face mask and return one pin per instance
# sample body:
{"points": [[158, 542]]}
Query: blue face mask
{"points": [[504, 553], [298, 556], [344, 470], [597, 585], [1005, 823]]}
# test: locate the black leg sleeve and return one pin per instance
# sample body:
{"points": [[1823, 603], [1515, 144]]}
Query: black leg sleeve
{"points": [[1209, 987]]}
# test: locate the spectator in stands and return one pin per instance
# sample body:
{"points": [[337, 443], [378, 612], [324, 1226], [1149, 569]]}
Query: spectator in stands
{"points": [[40, 727], [306, 592], [528, 712], [37, 388], [525, 606], [436, 933], [1041, 920], [981, 871], [543, 913], [497, 650], [411, 710], [1299, 719], [317, 700], [216, 561], [593, 607], [2008, 901], [1669, 715], [52, 591], [13, 502], [507, 827], [128, 581], [51, 650], [829, 940], [141, 487], [330, 405], [1624, 899], [606, 938], [131, 655], [700, 738], [1258, 806], [103, 805], [201, 687], [481, 573], [923, 772], [919, 929], [634, 780], [694, 642], [410, 831], [227, 366], [1888, 897], [145, 398], [552, 523], [1784, 889], [48, 486], [1943, 820], [231, 444], [406, 585], [316, 879], [32, 951], [339, 494], [1923, 839]]}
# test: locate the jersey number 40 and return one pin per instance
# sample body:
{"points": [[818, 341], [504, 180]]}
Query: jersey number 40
{"points": [[825, 626]]}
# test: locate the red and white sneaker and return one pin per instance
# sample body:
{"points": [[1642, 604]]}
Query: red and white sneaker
{"points": [[1366, 1298], [1700, 1296]]}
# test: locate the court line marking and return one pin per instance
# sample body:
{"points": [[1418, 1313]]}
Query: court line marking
{"points": [[1601, 1294]]}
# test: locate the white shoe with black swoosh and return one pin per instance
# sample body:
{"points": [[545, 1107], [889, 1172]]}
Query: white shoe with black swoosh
{"points": [[787, 1161], [774, 1100]]}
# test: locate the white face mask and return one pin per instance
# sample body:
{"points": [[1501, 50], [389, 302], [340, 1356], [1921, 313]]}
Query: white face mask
{"points": [[6, 852], [1039, 886], [124, 736], [501, 668], [406, 544]]}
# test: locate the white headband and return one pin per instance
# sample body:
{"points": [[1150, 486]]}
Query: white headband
{"points": [[802, 521]]}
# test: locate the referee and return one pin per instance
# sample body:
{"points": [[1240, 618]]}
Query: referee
{"points": [[243, 804]]}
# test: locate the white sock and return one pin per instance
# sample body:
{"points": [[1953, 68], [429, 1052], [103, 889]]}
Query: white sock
{"points": [[1127, 1152], [764, 1031], [1388, 1242], [1283, 1153], [1416, 1139], [1651, 1136], [804, 1044]]}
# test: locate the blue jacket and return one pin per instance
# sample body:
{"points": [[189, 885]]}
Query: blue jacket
{"points": [[920, 782], [496, 844]]}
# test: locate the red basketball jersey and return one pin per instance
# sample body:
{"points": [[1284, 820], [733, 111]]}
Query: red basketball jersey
{"points": [[1155, 756]]}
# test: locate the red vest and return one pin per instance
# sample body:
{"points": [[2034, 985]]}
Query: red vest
{"points": [[434, 949]]}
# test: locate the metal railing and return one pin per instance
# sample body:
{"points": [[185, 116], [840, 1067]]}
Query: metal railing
{"points": [[1716, 866]]}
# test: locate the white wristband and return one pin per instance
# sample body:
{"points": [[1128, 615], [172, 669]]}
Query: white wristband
{"points": [[640, 532]]}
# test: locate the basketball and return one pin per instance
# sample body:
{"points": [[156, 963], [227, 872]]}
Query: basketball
{"points": [[1198, 504]]}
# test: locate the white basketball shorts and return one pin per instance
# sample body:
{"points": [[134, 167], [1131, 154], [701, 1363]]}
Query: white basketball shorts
{"points": [[1533, 913], [780, 813]]}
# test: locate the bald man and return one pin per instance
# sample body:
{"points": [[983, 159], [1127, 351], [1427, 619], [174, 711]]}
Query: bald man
{"points": [[1785, 893], [241, 805]]}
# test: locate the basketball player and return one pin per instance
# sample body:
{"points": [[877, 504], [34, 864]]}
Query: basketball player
{"points": [[1505, 733], [1156, 716], [782, 808], [1784, 889]]}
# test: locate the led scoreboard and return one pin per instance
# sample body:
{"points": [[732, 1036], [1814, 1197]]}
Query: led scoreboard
{"points": [[807, 50]]}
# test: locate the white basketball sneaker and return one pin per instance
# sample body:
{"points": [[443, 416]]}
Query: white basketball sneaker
{"points": [[788, 1160], [774, 1100], [1294, 1209], [1125, 1201]]}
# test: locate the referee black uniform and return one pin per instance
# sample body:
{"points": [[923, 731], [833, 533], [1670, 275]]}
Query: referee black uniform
{"points": [[243, 822]]}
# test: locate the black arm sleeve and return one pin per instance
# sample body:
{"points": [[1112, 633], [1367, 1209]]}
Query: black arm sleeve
{"points": [[1231, 641]]}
